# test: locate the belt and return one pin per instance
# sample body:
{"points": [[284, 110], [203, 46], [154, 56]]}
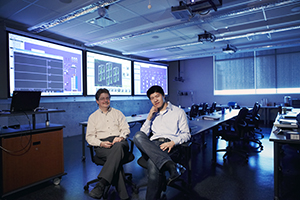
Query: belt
{"points": [[163, 139]]}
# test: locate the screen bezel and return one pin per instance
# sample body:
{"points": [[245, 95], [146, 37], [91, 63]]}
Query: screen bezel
{"points": [[51, 44]]}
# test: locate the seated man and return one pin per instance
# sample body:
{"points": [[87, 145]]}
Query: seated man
{"points": [[169, 127], [107, 130]]}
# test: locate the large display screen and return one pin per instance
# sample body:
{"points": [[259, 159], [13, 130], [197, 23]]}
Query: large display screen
{"points": [[37, 65], [148, 74], [108, 72]]}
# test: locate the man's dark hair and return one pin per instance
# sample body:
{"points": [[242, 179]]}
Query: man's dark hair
{"points": [[153, 89], [100, 91]]}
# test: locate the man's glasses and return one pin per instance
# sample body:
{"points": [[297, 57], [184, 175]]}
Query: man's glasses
{"points": [[104, 98]]}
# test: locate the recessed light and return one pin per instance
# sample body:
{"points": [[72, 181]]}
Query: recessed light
{"points": [[65, 1]]}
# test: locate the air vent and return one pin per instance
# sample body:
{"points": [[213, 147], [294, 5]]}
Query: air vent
{"points": [[175, 49]]}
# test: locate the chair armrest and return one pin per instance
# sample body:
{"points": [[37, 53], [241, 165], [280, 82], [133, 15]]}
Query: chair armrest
{"points": [[131, 145], [186, 144]]}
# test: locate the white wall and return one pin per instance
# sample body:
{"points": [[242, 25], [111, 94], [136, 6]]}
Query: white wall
{"points": [[198, 77]]}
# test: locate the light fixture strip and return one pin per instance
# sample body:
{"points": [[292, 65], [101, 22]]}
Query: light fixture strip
{"points": [[77, 13]]}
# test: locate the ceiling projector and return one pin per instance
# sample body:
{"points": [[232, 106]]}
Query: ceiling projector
{"points": [[206, 37], [230, 49]]}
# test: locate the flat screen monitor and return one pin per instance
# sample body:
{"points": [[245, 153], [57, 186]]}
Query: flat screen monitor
{"points": [[37, 65], [23, 101], [108, 72], [148, 74]]}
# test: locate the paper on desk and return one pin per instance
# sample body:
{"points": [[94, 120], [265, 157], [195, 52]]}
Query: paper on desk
{"points": [[211, 117], [291, 115], [285, 123]]}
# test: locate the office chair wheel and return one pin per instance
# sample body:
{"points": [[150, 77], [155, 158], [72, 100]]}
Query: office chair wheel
{"points": [[57, 181], [86, 188]]}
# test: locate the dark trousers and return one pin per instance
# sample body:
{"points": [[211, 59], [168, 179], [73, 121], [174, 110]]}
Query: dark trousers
{"points": [[155, 163], [112, 170]]}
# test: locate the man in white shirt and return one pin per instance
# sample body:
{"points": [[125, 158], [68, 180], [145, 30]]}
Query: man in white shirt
{"points": [[107, 130], [169, 127]]}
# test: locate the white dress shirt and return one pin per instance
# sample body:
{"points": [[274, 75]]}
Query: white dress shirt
{"points": [[171, 123]]}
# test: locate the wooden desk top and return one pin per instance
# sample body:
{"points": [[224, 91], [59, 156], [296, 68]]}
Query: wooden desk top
{"points": [[25, 129]]}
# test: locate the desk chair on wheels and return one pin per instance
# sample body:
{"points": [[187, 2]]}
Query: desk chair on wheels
{"points": [[253, 118], [234, 134], [179, 154], [99, 161]]}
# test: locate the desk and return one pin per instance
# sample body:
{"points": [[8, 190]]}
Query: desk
{"points": [[130, 119], [33, 154], [199, 125], [279, 140]]}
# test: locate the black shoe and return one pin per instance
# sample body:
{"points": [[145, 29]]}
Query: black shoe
{"points": [[98, 191], [175, 173]]}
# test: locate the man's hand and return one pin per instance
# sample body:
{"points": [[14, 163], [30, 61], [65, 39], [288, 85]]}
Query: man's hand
{"points": [[117, 139], [152, 111], [106, 144], [167, 146]]}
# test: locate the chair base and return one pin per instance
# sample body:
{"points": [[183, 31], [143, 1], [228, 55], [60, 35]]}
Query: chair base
{"points": [[128, 181]]}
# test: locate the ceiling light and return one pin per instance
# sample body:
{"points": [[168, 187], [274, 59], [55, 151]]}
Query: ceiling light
{"points": [[230, 49], [72, 15]]}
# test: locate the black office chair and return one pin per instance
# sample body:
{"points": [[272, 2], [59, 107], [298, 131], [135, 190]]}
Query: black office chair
{"points": [[194, 111], [234, 135], [204, 110], [179, 154], [213, 107], [98, 161], [253, 119]]}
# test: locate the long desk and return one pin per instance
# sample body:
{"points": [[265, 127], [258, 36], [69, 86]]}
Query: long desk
{"points": [[279, 140], [199, 125], [130, 119]]}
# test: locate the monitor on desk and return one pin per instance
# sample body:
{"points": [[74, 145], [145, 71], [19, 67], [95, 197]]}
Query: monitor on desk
{"points": [[23, 101]]}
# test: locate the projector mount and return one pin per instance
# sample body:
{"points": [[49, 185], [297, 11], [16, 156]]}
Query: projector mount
{"points": [[206, 37]]}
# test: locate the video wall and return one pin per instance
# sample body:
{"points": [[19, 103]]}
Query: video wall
{"points": [[59, 70]]}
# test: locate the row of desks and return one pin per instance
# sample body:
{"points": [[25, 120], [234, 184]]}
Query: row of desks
{"points": [[198, 126]]}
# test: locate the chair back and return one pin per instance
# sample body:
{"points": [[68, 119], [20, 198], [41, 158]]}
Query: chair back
{"points": [[213, 107], [240, 121], [255, 109], [204, 109], [194, 111]]}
